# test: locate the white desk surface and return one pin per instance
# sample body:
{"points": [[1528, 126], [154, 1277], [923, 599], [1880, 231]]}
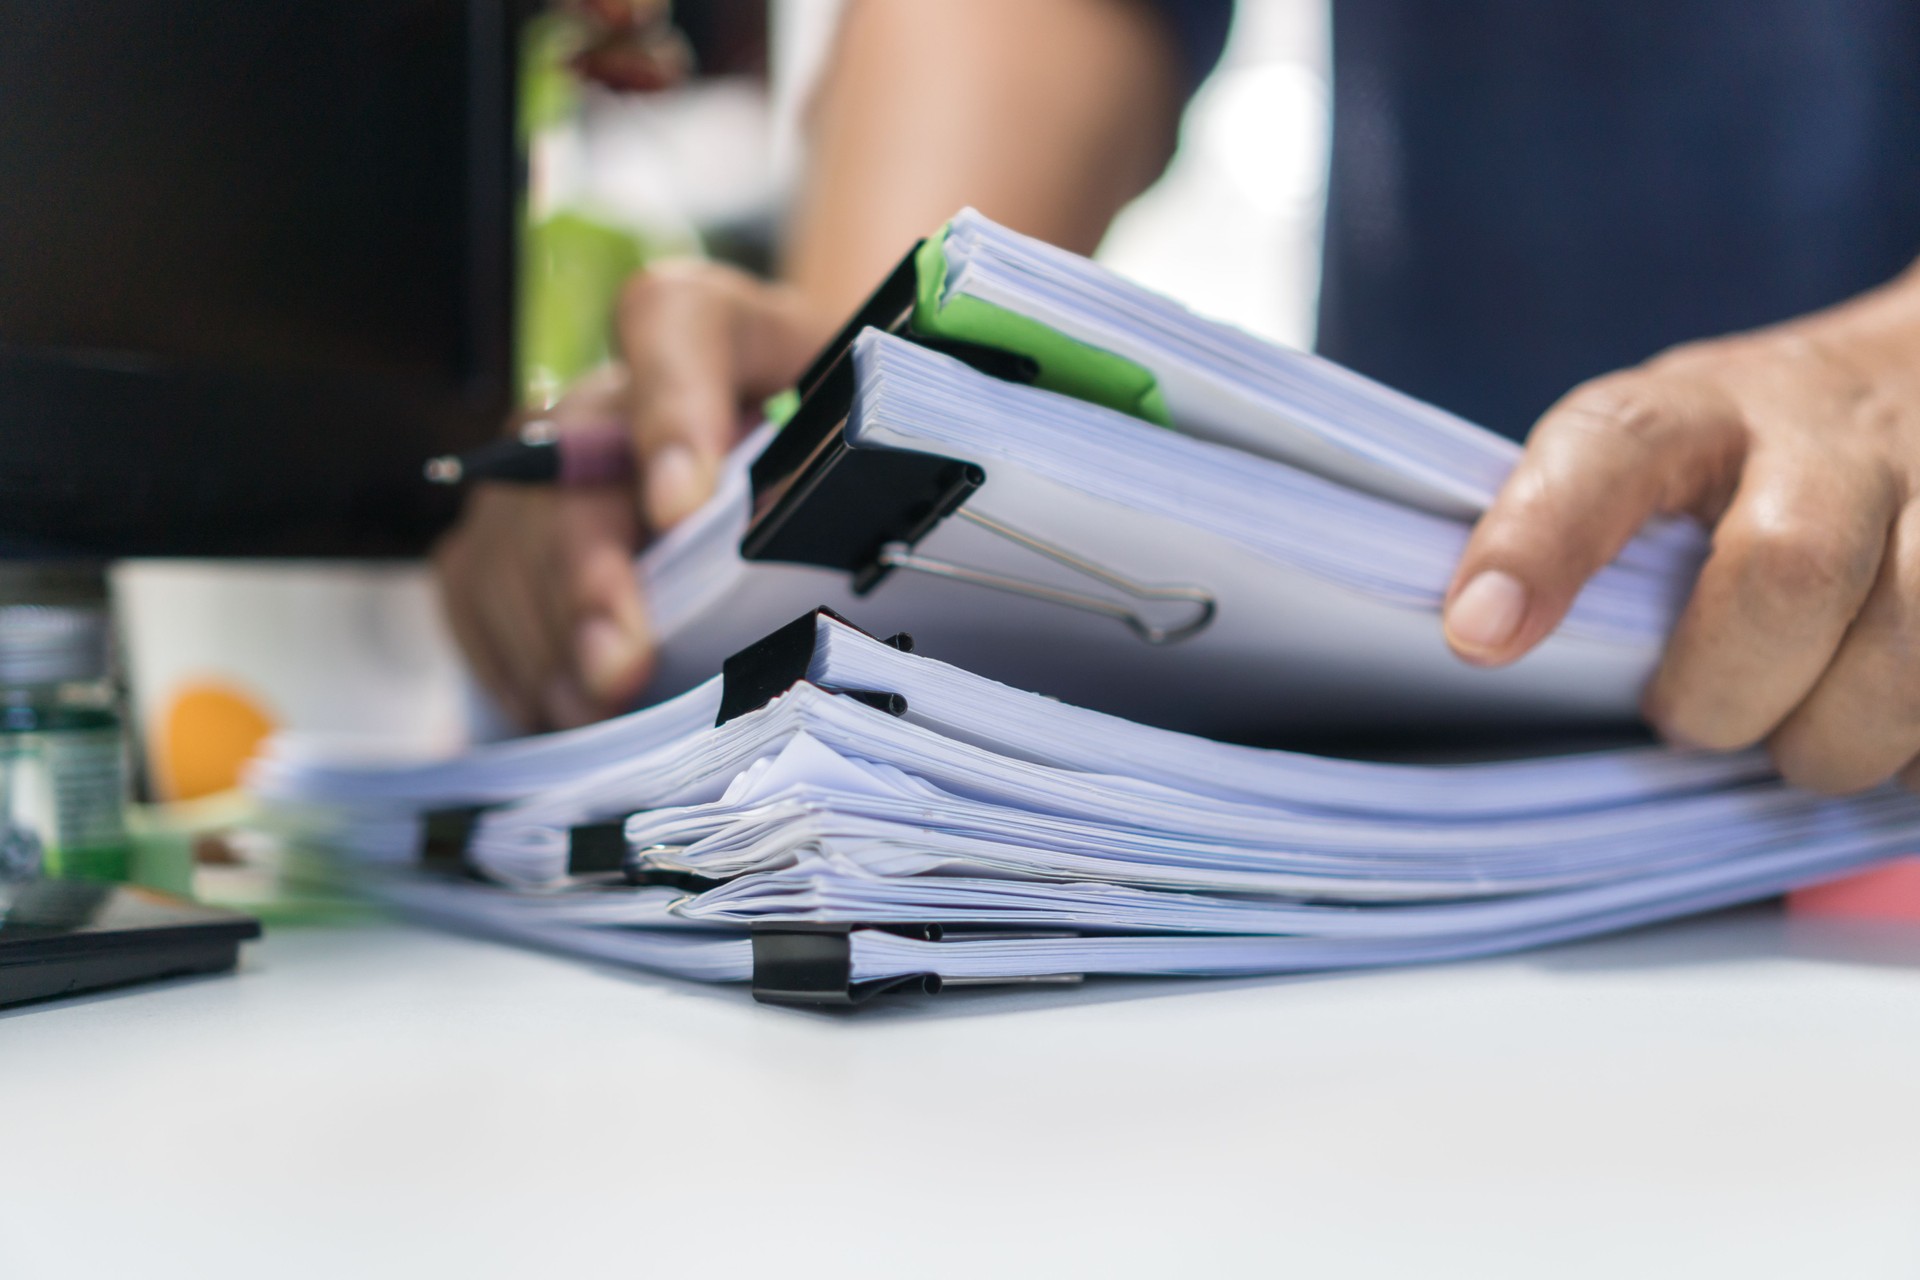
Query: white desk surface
{"points": [[1725, 1097]]}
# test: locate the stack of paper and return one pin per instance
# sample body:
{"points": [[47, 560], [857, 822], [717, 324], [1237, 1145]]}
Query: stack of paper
{"points": [[1178, 530], [1319, 513], [985, 807]]}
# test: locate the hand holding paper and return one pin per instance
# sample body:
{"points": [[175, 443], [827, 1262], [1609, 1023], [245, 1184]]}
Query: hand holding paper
{"points": [[1798, 444], [539, 586]]}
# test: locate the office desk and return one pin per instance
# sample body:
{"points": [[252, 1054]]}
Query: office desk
{"points": [[1724, 1097]]}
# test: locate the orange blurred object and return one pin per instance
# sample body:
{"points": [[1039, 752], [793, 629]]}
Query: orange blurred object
{"points": [[209, 732], [1891, 892]]}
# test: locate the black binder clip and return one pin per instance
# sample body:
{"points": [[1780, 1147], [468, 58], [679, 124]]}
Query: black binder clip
{"points": [[890, 309], [773, 664], [811, 966], [750, 679], [596, 849], [819, 500], [444, 836]]}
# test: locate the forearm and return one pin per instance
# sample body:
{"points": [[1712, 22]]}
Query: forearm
{"points": [[1047, 115], [1878, 334]]}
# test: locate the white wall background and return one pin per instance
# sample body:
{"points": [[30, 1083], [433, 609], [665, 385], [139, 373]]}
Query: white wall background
{"points": [[1233, 228]]}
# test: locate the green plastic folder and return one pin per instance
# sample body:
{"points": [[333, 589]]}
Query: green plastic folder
{"points": [[1067, 365], [914, 302]]}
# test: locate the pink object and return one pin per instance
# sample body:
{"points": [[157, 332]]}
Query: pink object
{"points": [[1891, 892], [599, 454]]}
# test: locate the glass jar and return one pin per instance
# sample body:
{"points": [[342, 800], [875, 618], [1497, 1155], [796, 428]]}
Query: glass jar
{"points": [[63, 775]]}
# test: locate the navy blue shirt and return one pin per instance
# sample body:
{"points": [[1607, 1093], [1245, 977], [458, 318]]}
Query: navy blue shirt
{"points": [[1526, 193]]}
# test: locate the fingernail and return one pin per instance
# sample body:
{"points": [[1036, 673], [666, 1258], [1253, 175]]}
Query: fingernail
{"points": [[673, 485], [1487, 612], [610, 658], [566, 704]]}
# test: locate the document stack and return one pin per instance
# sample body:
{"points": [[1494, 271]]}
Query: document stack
{"points": [[1111, 542], [1274, 559], [835, 816]]}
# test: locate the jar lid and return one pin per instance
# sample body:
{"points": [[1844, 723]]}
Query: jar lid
{"points": [[51, 644]]}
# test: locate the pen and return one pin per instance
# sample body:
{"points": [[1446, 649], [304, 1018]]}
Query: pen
{"points": [[596, 453]]}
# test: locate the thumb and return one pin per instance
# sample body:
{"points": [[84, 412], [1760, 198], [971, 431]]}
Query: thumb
{"points": [[701, 341], [614, 657], [1609, 455], [610, 641]]}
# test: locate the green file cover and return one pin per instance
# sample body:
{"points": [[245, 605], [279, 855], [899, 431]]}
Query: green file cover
{"points": [[1067, 365], [913, 301]]}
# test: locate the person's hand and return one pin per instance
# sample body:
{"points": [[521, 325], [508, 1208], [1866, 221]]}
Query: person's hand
{"points": [[538, 584], [1800, 446]]}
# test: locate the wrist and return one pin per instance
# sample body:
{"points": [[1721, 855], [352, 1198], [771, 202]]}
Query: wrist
{"points": [[1879, 331]]}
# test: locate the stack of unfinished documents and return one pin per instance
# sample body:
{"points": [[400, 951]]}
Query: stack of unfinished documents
{"points": [[1181, 525], [1124, 540], [896, 819]]}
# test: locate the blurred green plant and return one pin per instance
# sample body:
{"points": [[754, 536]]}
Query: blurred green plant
{"points": [[573, 260], [572, 266]]}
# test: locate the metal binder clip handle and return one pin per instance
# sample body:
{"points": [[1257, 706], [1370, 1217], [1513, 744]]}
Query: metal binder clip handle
{"points": [[900, 555]]}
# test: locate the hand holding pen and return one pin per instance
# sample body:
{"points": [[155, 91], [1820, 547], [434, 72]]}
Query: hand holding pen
{"points": [[594, 453], [537, 577]]}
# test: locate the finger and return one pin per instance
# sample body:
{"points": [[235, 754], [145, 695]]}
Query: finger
{"points": [[563, 698], [608, 639], [700, 342], [535, 641], [565, 704], [1604, 459], [593, 400], [513, 610], [595, 397], [1793, 560], [454, 572], [1861, 723]]}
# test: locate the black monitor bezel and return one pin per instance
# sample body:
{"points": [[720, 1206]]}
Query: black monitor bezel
{"points": [[111, 455]]}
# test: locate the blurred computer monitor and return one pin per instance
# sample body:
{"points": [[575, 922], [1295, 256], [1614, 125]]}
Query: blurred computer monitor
{"points": [[256, 263]]}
